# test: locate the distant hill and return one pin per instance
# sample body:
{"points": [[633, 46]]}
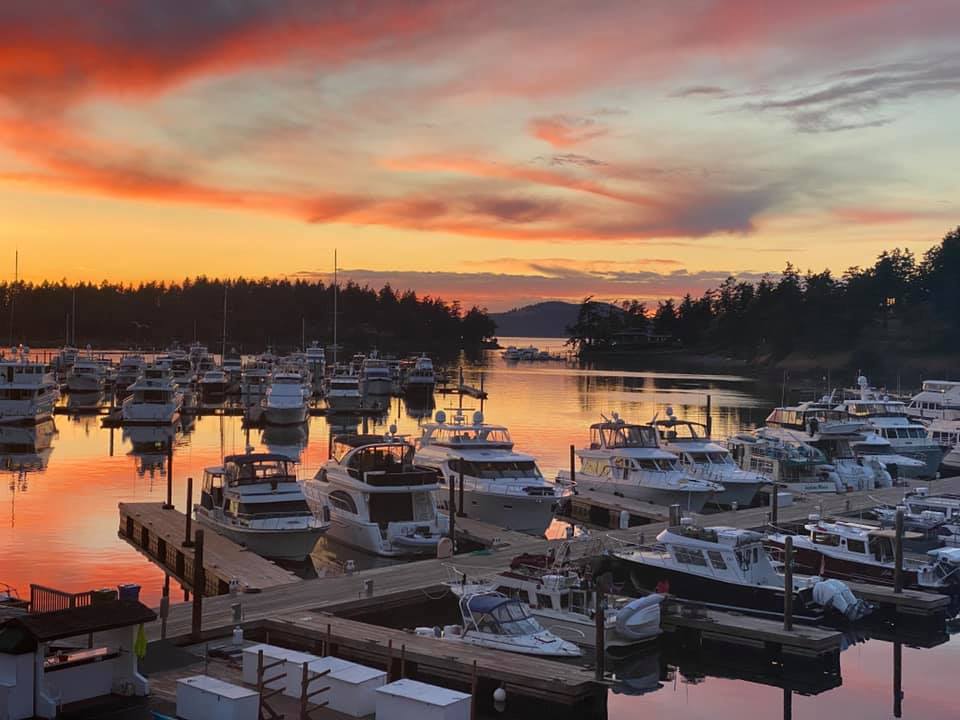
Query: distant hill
{"points": [[546, 319]]}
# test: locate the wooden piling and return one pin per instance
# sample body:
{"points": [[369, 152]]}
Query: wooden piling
{"points": [[473, 692], [452, 508], [187, 542], [788, 583], [573, 464], [600, 627], [169, 504], [897, 679], [898, 554], [199, 580], [774, 503], [709, 422]]}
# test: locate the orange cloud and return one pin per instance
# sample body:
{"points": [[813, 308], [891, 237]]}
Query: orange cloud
{"points": [[563, 131]]}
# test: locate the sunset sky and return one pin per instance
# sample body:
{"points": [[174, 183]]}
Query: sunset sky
{"points": [[494, 152]]}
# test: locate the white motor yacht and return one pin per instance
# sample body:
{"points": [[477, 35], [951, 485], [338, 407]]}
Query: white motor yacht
{"points": [[500, 485], [254, 380], [256, 501], [379, 500], [421, 378], [495, 621], [946, 433], [566, 606], [286, 400], [343, 391], [874, 447], [375, 377], [626, 459], [729, 568], [937, 400], [214, 383], [233, 366], [129, 369], [88, 375], [890, 420], [708, 460], [28, 389], [153, 399]]}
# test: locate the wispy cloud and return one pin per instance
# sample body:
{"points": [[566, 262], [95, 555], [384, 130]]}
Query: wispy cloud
{"points": [[564, 131]]}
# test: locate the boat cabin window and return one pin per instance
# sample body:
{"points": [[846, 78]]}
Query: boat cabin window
{"points": [[825, 538], [655, 465], [689, 557], [262, 471], [471, 435], [493, 470], [377, 457], [622, 436], [544, 601], [274, 509], [881, 548], [716, 559], [342, 501], [857, 546]]}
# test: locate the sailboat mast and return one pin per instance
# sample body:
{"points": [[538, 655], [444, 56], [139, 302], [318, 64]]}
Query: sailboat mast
{"points": [[223, 345], [13, 290], [336, 291]]}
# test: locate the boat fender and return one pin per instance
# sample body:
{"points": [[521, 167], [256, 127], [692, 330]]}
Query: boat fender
{"points": [[649, 608]]}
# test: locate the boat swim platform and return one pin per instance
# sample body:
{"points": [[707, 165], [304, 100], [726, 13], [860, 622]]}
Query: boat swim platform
{"points": [[159, 533]]}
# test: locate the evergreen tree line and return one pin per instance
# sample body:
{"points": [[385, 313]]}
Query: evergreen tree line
{"points": [[258, 313], [899, 304]]}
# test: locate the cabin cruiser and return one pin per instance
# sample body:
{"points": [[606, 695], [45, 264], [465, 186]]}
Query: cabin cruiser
{"points": [[128, 371], [890, 420], [153, 399], [626, 459], [564, 603], [729, 567], [26, 447], [421, 378], [214, 383], [28, 389], [864, 553], [500, 486], [379, 500], [874, 447], [343, 391], [182, 369], [286, 399], [946, 434], [498, 622], [256, 501], [254, 380], [233, 366], [937, 400], [317, 366], [88, 375], [708, 460], [375, 377]]}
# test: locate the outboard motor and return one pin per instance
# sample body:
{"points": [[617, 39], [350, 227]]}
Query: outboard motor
{"points": [[640, 619], [835, 595]]}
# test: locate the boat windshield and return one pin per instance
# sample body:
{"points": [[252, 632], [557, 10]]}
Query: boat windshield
{"points": [[510, 618], [704, 457], [678, 430], [471, 435], [877, 409], [654, 464], [494, 469], [261, 471], [621, 435], [375, 457]]}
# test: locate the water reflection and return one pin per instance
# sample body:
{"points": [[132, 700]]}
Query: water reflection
{"points": [[26, 449], [289, 440]]}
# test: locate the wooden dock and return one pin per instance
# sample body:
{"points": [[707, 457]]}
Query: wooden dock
{"points": [[490, 536], [159, 533], [605, 510], [907, 602]]}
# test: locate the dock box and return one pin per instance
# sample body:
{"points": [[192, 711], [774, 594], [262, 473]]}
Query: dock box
{"points": [[206, 698], [412, 700], [316, 665], [271, 654], [352, 690]]}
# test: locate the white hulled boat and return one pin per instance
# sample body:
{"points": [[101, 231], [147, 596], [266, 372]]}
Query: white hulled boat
{"points": [[379, 500], [88, 375], [937, 400], [495, 621], [28, 389], [343, 391], [421, 378], [153, 399], [256, 501], [317, 366], [946, 434], [128, 370], [375, 377], [214, 383], [286, 400], [708, 460], [254, 380], [500, 486], [626, 459], [233, 366]]}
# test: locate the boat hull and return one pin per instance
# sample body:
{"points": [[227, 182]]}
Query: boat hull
{"points": [[25, 412], [691, 501], [84, 384], [290, 545], [343, 403], [150, 413], [273, 415], [740, 493], [527, 514], [811, 562]]}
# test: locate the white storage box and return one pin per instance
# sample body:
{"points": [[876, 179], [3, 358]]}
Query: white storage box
{"points": [[352, 689], [271, 653], [784, 499], [206, 698], [412, 700], [317, 665]]}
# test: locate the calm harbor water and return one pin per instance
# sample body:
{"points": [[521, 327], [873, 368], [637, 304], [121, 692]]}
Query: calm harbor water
{"points": [[58, 524]]}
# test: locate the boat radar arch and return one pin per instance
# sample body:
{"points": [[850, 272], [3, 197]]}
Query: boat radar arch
{"points": [[440, 417]]}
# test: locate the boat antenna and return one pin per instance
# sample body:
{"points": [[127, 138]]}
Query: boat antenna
{"points": [[13, 290], [223, 345]]}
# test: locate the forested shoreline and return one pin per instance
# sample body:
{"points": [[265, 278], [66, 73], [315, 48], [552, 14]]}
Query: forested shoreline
{"points": [[898, 305], [258, 313]]}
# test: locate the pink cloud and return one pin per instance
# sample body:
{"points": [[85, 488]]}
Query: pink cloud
{"points": [[564, 131]]}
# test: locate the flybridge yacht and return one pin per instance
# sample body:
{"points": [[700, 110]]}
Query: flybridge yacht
{"points": [[946, 433], [233, 366], [286, 399], [214, 383], [88, 375], [626, 459], [890, 420], [379, 500], [343, 391], [421, 378], [254, 380], [256, 501], [937, 400], [28, 390], [864, 553], [708, 460], [874, 447], [153, 399], [375, 377], [129, 369], [500, 486], [729, 567]]}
